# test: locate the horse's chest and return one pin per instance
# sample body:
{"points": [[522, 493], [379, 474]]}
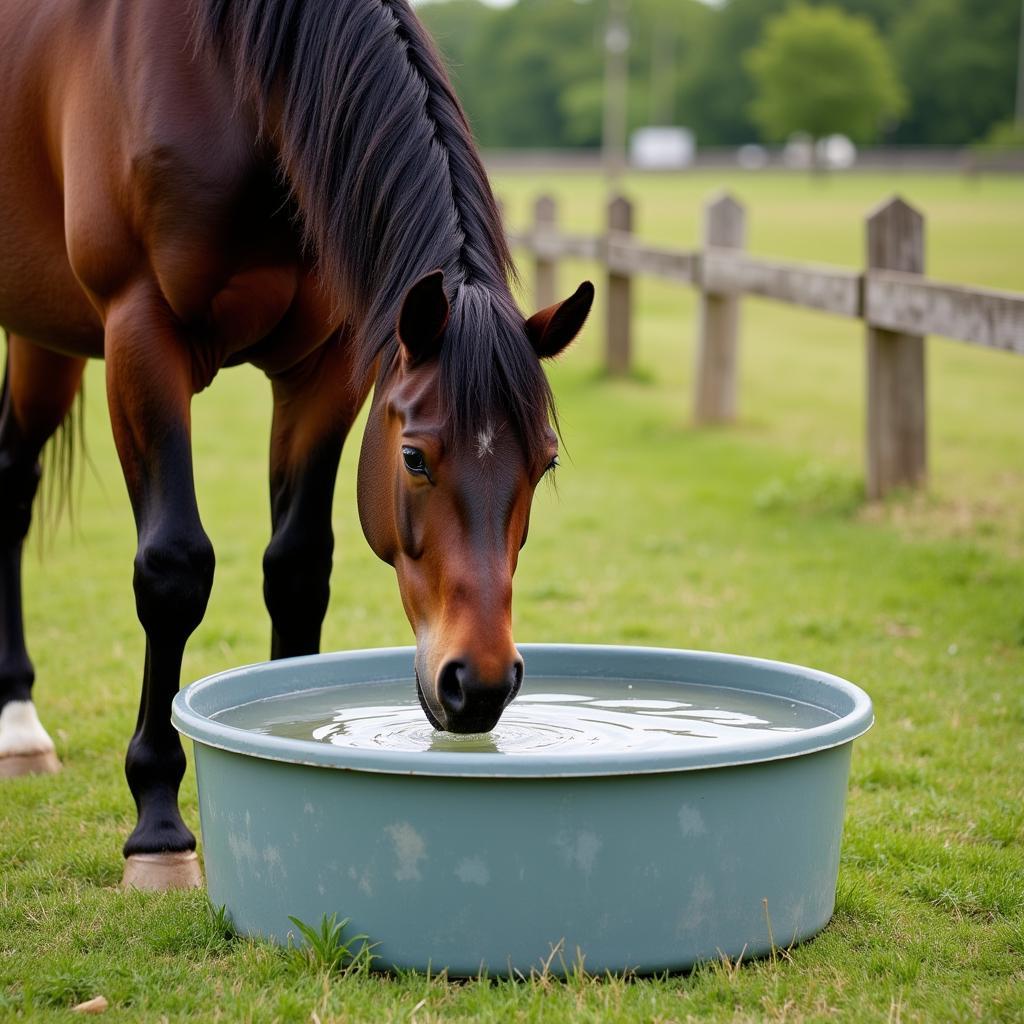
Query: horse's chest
{"points": [[251, 306]]}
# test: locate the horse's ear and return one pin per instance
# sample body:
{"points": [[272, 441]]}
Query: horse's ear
{"points": [[424, 317], [553, 328]]}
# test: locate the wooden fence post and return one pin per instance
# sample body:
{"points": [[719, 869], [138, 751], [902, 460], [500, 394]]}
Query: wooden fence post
{"points": [[619, 296], [718, 344], [545, 221], [896, 412]]}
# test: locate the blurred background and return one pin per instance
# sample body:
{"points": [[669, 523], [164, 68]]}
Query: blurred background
{"points": [[756, 536], [936, 76]]}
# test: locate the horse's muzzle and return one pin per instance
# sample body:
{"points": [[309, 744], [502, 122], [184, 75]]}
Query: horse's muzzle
{"points": [[470, 704]]}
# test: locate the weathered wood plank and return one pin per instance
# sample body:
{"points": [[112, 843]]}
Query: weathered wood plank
{"points": [[718, 342], [887, 299], [831, 289], [619, 307], [905, 302], [558, 245], [897, 426], [545, 269], [625, 255]]}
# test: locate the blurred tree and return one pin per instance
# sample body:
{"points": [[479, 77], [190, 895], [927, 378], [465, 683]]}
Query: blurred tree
{"points": [[716, 90], [819, 70], [530, 74], [1004, 135], [959, 62], [534, 54], [457, 26], [668, 37]]}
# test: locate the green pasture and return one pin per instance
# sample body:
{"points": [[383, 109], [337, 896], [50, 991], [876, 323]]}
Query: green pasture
{"points": [[753, 539]]}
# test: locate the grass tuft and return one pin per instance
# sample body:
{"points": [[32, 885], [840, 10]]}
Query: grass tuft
{"points": [[814, 490], [325, 950]]}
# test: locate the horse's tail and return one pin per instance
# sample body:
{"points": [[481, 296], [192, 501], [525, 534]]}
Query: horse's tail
{"points": [[63, 458]]}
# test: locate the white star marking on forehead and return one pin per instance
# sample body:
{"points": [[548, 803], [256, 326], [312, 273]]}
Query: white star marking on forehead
{"points": [[485, 442]]}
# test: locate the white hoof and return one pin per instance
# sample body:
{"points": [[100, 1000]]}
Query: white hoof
{"points": [[25, 746], [158, 872]]}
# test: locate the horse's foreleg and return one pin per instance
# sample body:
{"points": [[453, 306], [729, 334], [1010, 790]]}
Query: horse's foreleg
{"points": [[314, 407], [297, 562], [149, 390], [39, 388]]}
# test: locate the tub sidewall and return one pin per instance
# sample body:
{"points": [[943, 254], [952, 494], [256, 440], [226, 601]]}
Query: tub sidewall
{"points": [[647, 872]]}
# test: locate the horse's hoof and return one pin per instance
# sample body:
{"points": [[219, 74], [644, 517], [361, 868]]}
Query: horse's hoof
{"points": [[25, 746], [42, 762], [158, 872]]}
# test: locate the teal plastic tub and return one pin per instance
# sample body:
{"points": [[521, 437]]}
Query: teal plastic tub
{"points": [[649, 860]]}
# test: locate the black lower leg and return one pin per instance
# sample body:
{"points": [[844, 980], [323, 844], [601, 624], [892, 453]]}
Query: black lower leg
{"points": [[19, 479], [150, 385], [173, 579], [297, 563], [155, 763], [38, 390]]}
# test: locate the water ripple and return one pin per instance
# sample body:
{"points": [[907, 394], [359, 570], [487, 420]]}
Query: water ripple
{"points": [[587, 716]]}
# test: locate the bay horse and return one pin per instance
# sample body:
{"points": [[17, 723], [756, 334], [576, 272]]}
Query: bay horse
{"points": [[187, 185]]}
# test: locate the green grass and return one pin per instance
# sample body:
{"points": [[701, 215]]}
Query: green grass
{"points": [[753, 539]]}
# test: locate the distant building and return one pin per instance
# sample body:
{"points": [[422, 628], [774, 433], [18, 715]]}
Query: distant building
{"points": [[661, 148], [752, 157]]}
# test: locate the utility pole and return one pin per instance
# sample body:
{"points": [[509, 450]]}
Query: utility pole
{"points": [[663, 60], [1020, 71], [616, 83]]}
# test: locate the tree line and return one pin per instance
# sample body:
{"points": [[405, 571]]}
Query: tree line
{"points": [[530, 75]]}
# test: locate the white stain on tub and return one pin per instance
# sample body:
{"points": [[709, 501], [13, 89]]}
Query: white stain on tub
{"points": [[698, 906], [361, 879], [691, 821], [472, 871], [242, 846], [410, 849], [580, 849], [275, 865], [242, 849]]}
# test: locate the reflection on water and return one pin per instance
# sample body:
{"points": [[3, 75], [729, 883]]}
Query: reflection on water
{"points": [[551, 717]]}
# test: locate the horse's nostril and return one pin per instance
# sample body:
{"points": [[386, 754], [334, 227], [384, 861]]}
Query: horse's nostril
{"points": [[450, 688], [517, 682]]}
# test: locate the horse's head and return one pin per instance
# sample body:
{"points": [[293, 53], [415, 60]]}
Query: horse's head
{"points": [[458, 437]]}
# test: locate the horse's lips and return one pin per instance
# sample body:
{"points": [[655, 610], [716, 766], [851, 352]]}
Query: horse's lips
{"points": [[426, 707]]}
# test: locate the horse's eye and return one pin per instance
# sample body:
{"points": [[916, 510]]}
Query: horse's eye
{"points": [[552, 465], [414, 461]]}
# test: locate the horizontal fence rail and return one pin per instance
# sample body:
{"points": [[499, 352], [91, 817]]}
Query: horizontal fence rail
{"points": [[898, 304], [904, 302]]}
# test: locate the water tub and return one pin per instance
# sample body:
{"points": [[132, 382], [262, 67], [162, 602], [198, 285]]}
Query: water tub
{"points": [[646, 859]]}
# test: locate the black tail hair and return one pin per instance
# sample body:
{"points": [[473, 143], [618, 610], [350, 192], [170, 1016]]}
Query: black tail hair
{"points": [[63, 475], [63, 478]]}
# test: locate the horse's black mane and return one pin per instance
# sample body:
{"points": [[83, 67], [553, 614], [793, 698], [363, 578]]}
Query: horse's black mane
{"points": [[376, 149]]}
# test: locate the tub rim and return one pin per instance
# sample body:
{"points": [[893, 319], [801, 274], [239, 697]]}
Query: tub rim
{"points": [[213, 694]]}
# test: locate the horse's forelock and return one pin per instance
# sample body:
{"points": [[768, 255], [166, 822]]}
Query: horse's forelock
{"points": [[489, 372]]}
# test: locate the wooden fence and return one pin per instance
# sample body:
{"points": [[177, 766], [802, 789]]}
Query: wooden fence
{"points": [[897, 303]]}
